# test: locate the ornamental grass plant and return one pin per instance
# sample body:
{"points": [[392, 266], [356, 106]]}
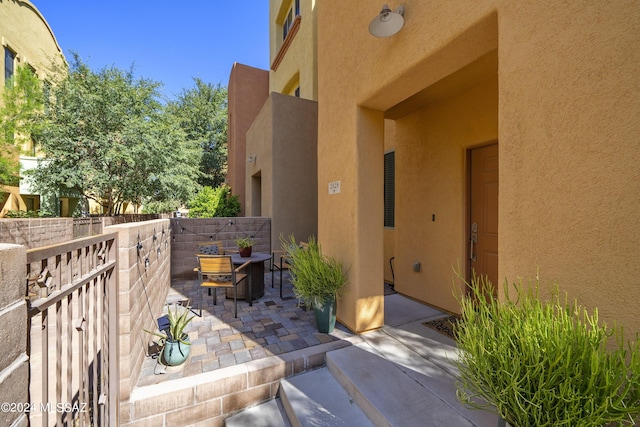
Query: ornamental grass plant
{"points": [[178, 321], [315, 277], [544, 363]]}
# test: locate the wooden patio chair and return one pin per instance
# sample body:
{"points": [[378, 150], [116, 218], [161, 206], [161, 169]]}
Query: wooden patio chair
{"points": [[217, 271]]}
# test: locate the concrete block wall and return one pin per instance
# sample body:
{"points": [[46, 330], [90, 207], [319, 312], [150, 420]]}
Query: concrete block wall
{"points": [[14, 363], [36, 232], [187, 232], [143, 290], [209, 398]]}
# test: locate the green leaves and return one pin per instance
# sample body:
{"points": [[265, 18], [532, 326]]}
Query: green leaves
{"points": [[214, 202], [22, 102], [544, 363], [315, 277], [107, 136], [202, 114]]}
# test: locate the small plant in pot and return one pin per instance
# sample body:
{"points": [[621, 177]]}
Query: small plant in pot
{"points": [[543, 362], [317, 279], [245, 245], [175, 343]]}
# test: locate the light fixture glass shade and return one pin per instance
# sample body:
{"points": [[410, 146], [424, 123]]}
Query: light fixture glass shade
{"points": [[387, 23]]}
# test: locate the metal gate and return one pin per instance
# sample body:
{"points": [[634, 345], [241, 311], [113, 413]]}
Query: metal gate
{"points": [[73, 333]]}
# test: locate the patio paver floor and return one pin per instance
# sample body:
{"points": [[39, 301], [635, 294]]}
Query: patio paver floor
{"points": [[270, 327]]}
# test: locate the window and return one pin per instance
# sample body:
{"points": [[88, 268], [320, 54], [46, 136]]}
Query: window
{"points": [[389, 189], [9, 59], [286, 25], [288, 22], [296, 92]]}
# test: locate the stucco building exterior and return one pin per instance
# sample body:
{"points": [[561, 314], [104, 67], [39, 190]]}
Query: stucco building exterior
{"points": [[278, 178], [514, 127], [247, 91], [27, 40]]}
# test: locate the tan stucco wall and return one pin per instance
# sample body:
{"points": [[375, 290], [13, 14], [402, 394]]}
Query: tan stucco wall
{"points": [[26, 32], [300, 58], [573, 126], [248, 90], [563, 104], [431, 177], [283, 139]]}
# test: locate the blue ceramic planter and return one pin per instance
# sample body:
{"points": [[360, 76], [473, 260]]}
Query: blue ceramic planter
{"points": [[175, 352]]}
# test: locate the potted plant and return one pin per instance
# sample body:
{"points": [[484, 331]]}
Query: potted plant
{"points": [[175, 342], [543, 363], [317, 279], [244, 246]]}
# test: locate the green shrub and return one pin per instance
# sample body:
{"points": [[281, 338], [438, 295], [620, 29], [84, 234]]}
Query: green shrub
{"points": [[214, 202], [159, 207], [544, 363], [42, 213], [315, 277]]}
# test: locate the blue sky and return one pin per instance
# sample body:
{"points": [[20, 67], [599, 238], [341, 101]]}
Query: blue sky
{"points": [[170, 41]]}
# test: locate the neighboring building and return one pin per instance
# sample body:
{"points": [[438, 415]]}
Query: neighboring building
{"points": [[514, 127], [248, 90], [28, 40], [276, 173]]}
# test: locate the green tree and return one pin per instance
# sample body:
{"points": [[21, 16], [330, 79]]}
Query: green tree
{"points": [[202, 113], [107, 136], [23, 100], [214, 202]]}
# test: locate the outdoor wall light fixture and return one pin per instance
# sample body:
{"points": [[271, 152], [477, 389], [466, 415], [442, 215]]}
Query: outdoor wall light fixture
{"points": [[146, 263], [388, 22], [251, 159]]}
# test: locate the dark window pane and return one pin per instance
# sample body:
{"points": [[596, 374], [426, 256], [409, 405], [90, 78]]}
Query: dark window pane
{"points": [[389, 189], [9, 58]]}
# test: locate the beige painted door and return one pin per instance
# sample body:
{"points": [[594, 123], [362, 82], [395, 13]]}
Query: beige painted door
{"points": [[483, 216]]}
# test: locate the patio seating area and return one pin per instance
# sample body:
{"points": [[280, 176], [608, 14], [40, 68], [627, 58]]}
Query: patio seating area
{"points": [[272, 326]]}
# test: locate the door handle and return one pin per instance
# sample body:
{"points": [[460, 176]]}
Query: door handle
{"points": [[472, 241]]}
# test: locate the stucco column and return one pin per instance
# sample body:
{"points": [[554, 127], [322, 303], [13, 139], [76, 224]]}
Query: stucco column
{"points": [[351, 220]]}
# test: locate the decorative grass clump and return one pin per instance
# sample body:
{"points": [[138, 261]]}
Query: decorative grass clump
{"points": [[315, 277], [544, 363]]}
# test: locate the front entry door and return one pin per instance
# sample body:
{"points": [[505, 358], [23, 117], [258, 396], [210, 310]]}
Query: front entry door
{"points": [[483, 215]]}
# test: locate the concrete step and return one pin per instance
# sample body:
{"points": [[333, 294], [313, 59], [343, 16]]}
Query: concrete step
{"points": [[387, 394], [268, 414], [316, 399]]}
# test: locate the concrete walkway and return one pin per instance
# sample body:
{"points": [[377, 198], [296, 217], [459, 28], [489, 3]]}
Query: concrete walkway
{"points": [[399, 375], [274, 326]]}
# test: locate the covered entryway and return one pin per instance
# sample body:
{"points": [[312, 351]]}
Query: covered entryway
{"points": [[430, 116]]}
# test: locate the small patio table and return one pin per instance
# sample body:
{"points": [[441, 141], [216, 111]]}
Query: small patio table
{"points": [[257, 276]]}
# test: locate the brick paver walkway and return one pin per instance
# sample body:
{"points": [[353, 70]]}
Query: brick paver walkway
{"points": [[271, 326]]}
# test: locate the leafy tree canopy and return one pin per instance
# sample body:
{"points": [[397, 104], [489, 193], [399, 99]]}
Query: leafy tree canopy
{"points": [[22, 101], [107, 136], [202, 114], [214, 202]]}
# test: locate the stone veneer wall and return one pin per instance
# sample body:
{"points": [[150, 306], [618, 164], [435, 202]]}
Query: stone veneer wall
{"points": [[187, 232], [142, 292], [14, 363]]}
